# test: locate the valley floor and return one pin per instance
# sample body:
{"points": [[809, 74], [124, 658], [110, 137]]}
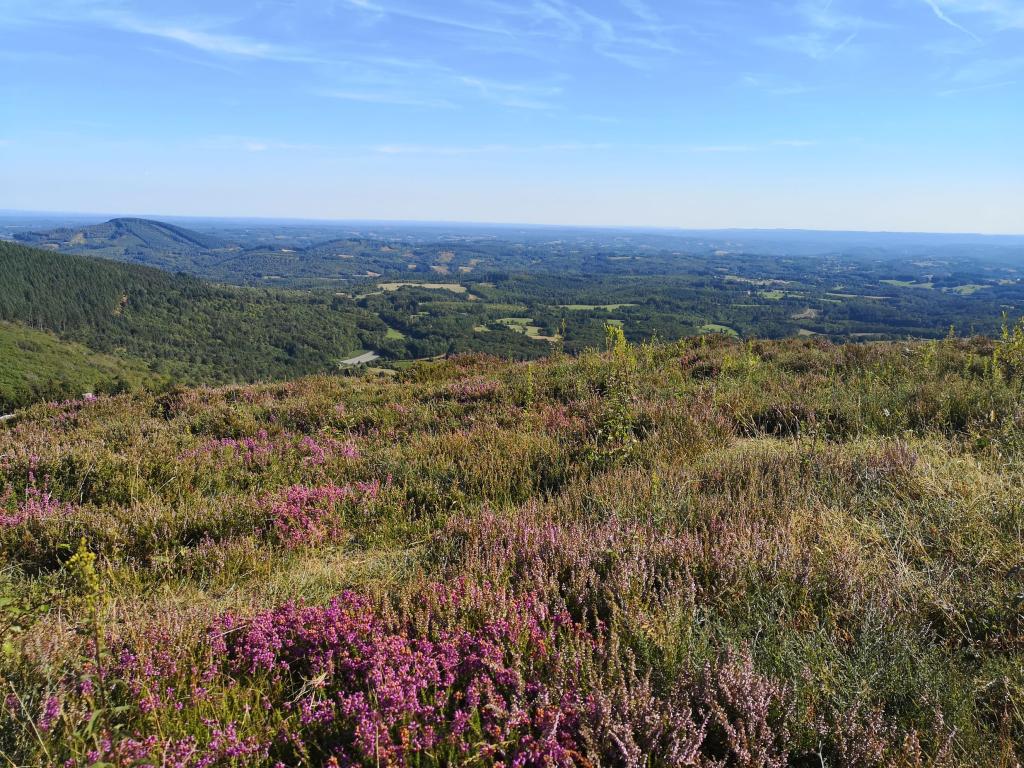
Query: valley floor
{"points": [[708, 553]]}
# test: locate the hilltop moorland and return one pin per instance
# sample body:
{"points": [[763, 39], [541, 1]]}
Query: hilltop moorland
{"points": [[700, 553]]}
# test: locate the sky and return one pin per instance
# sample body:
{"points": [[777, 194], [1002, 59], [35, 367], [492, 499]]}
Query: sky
{"points": [[900, 115]]}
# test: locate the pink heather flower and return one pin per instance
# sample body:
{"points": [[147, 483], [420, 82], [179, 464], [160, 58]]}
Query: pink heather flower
{"points": [[260, 449], [399, 693], [303, 515], [39, 504], [474, 389], [12, 704], [50, 714]]}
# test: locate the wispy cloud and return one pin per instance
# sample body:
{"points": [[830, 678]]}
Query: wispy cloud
{"points": [[255, 145], [813, 45], [975, 88], [774, 85], [739, 148], [827, 30], [486, 149], [944, 17], [517, 95], [384, 97], [642, 10], [998, 15], [714, 149], [985, 75], [455, 22], [637, 41], [988, 70], [202, 39]]}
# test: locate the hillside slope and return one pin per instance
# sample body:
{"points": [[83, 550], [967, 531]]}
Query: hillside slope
{"points": [[181, 326], [703, 554], [35, 366]]}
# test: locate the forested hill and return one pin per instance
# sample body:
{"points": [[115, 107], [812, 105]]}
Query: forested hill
{"points": [[135, 240], [182, 326]]}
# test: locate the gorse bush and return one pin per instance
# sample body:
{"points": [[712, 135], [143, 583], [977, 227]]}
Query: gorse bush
{"points": [[706, 553]]}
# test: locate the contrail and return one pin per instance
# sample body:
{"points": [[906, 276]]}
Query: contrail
{"points": [[934, 5]]}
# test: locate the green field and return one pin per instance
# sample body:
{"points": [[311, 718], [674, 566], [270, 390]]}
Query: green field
{"points": [[591, 307], [969, 290], [452, 287], [907, 284], [715, 328]]}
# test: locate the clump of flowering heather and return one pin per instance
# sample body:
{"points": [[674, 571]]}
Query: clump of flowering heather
{"points": [[38, 504], [746, 714], [469, 674], [341, 684], [303, 515], [477, 388], [258, 450], [365, 692]]}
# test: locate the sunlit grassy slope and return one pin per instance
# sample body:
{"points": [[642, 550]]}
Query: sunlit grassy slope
{"points": [[707, 553], [35, 365]]}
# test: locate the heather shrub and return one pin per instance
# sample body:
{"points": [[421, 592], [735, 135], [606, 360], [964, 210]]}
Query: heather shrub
{"points": [[707, 553]]}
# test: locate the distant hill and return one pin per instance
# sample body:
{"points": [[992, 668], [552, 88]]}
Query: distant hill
{"points": [[141, 241], [37, 365], [243, 261], [182, 326]]}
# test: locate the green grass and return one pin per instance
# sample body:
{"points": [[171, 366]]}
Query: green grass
{"points": [[451, 287], [858, 296], [969, 289], [35, 365], [605, 307], [393, 333], [908, 284], [525, 326], [722, 329]]}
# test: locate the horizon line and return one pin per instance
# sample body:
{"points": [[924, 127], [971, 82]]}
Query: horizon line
{"points": [[653, 228]]}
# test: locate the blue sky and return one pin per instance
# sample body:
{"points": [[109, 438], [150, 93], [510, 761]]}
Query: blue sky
{"points": [[881, 114]]}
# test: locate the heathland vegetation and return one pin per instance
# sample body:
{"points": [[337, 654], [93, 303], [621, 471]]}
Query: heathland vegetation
{"points": [[703, 553]]}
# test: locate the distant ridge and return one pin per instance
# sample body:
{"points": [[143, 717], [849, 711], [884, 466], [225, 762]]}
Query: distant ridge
{"points": [[123, 233], [141, 241]]}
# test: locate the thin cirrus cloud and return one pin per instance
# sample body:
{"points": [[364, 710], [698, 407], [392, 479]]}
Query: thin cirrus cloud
{"points": [[715, 149], [945, 19], [202, 39], [826, 33], [486, 149], [998, 15], [383, 11], [515, 95], [385, 97], [637, 43]]}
